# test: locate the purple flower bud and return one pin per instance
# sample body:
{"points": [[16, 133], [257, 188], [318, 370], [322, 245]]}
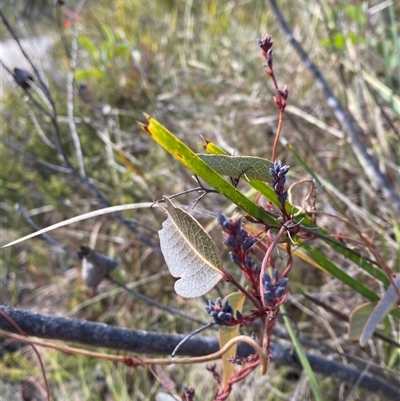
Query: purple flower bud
{"points": [[283, 282], [249, 262], [227, 226], [225, 305], [242, 236], [228, 318], [268, 286], [282, 198], [235, 259], [278, 187], [239, 316], [283, 171], [225, 317], [268, 295], [248, 243], [221, 219], [267, 278], [218, 302], [279, 291], [230, 242], [237, 225], [269, 59], [213, 313]]}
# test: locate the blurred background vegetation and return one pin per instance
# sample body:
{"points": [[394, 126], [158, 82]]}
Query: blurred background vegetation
{"points": [[196, 67]]}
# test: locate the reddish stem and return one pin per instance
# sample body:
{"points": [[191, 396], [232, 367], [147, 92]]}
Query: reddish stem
{"points": [[277, 136]]}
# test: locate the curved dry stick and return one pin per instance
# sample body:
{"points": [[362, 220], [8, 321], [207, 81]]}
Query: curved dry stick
{"points": [[301, 208], [144, 361]]}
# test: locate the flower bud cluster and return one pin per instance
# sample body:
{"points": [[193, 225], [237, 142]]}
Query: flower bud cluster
{"points": [[266, 46], [281, 97], [278, 179], [188, 393], [221, 312], [274, 287], [240, 243]]}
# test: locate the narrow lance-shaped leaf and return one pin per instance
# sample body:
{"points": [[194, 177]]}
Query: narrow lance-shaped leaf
{"points": [[189, 253], [254, 168], [381, 310], [358, 318], [226, 333]]}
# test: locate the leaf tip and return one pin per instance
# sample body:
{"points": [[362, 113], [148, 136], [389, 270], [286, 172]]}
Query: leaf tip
{"points": [[206, 141], [144, 127]]}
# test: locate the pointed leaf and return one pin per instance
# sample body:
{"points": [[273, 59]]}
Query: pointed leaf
{"points": [[251, 167], [381, 310], [358, 319], [236, 300], [261, 187], [189, 253]]}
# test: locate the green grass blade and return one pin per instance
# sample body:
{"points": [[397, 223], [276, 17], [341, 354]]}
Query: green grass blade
{"points": [[331, 268], [302, 356]]}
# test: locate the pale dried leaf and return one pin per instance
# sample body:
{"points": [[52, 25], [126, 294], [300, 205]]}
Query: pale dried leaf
{"points": [[189, 253]]}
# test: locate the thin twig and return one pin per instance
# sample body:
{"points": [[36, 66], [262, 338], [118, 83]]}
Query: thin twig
{"points": [[150, 301], [47, 237], [35, 159], [189, 336], [70, 101]]}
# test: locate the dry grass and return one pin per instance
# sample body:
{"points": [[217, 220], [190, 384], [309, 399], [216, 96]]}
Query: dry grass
{"points": [[197, 69]]}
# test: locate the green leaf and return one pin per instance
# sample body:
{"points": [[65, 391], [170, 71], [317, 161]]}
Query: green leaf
{"points": [[250, 167], [236, 300], [189, 253], [260, 186], [90, 73], [382, 309], [358, 318], [89, 46], [189, 159], [331, 268], [110, 37], [339, 41], [301, 355]]}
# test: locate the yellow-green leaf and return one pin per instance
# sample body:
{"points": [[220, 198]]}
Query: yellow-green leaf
{"points": [[236, 300]]}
